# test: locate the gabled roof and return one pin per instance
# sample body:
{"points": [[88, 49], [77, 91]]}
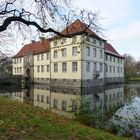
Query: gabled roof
{"points": [[110, 50], [43, 46], [35, 48], [78, 26]]}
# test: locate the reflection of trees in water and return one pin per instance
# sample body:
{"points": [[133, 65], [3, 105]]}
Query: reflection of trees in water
{"points": [[138, 91], [7, 90]]}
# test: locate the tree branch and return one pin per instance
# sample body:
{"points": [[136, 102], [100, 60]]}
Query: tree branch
{"points": [[8, 21]]}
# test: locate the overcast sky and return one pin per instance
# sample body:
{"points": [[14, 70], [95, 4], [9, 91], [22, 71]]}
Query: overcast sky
{"points": [[121, 21]]}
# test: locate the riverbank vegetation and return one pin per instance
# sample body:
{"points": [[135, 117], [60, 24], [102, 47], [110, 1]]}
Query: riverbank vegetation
{"points": [[131, 69], [24, 121]]}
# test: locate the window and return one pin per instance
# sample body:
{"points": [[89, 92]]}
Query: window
{"points": [[55, 67], [101, 67], [118, 70], [95, 67], [47, 56], [94, 41], [55, 103], [64, 52], [110, 58], [38, 68], [106, 68], [64, 67], [100, 54], [48, 68], [20, 60], [88, 51], [118, 60], [121, 61], [110, 97], [13, 61], [37, 97], [15, 70], [55, 43], [42, 68], [114, 59], [27, 59], [47, 99], [74, 67], [37, 57], [106, 57], [20, 70], [88, 38], [114, 69], [64, 104], [88, 66], [110, 69], [55, 54], [100, 43], [42, 98], [121, 70], [42, 56], [74, 51], [94, 52], [63, 41]]}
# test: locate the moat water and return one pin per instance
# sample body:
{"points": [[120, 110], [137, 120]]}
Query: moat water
{"points": [[118, 104]]}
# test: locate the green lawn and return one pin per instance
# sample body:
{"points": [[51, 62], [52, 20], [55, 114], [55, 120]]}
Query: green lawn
{"points": [[24, 122]]}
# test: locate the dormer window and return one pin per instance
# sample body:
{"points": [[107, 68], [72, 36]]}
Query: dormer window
{"points": [[55, 42], [63, 41], [74, 39]]}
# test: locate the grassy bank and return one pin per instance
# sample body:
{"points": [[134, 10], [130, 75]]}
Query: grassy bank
{"points": [[24, 122], [134, 79]]}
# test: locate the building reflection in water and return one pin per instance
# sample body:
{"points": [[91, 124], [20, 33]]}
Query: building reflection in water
{"points": [[61, 100]]}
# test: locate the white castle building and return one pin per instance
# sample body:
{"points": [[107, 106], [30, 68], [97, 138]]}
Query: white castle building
{"points": [[82, 60]]}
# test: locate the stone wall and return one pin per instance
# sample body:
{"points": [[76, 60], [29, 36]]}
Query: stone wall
{"points": [[78, 82]]}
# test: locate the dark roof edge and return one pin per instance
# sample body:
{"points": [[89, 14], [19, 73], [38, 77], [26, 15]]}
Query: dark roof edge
{"points": [[108, 52]]}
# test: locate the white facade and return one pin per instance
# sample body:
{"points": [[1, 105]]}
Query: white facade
{"points": [[83, 59]]}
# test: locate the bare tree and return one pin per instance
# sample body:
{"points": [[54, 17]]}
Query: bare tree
{"points": [[129, 66], [45, 15]]}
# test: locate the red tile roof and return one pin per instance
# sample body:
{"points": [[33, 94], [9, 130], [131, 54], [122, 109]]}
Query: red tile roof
{"points": [[35, 48], [109, 49], [79, 26]]}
